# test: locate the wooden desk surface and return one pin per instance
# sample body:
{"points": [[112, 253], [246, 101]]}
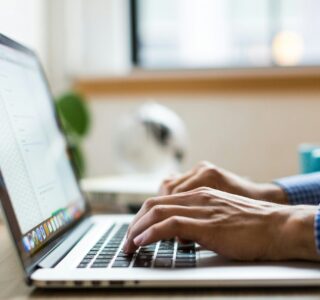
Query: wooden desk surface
{"points": [[13, 287]]}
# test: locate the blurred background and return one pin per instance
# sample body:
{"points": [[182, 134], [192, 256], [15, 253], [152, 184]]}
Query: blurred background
{"points": [[243, 75]]}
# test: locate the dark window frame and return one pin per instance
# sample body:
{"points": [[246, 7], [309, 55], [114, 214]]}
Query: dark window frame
{"points": [[134, 32]]}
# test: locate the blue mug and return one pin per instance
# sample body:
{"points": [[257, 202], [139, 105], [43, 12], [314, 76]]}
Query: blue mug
{"points": [[309, 156]]}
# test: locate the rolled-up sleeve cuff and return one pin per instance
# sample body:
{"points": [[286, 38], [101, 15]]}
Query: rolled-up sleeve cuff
{"points": [[317, 230], [301, 189]]}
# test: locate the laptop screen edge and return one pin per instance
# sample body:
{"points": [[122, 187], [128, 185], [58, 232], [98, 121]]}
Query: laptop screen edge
{"points": [[30, 263]]}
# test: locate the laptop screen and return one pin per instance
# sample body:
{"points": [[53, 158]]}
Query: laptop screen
{"points": [[43, 195]]}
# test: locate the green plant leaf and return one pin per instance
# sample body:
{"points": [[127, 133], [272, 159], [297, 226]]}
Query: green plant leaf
{"points": [[74, 114]]}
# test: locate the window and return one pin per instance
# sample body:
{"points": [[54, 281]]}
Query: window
{"points": [[171, 34]]}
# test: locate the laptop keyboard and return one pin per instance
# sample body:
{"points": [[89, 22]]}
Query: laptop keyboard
{"points": [[164, 254]]}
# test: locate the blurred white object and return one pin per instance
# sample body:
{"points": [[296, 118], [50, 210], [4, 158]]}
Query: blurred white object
{"points": [[151, 140], [118, 193], [132, 184]]}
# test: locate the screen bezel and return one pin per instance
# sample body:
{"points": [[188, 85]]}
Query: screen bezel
{"points": [[30, 262]]}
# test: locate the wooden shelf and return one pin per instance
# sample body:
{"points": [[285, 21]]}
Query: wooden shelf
{"points": [[151, 82]]}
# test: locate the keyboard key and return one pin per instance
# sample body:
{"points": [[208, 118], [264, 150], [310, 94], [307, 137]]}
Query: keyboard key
{"points": [[123, 259], [166, 246], [142, 263], [86, 260], [100, 265], [106, 254], [149, 247], [121, 264], [110, 248], [180, 255], [103, 258], [165, 251], [165, 255], [104, 263], [144, 256], [163, 263]]}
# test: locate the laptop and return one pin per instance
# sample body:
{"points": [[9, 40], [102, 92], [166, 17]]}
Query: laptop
{"points": [[58, 241]]}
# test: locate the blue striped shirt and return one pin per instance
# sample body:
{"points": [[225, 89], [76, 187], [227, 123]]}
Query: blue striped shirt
{"points": [[304, 189]]}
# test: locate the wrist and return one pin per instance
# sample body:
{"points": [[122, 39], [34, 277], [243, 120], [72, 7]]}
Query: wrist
{"points": [[272, 193], [297, 234]]}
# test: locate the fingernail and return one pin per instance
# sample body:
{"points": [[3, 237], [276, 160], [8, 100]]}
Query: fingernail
{"points": [[125, 245], [138, 240]]}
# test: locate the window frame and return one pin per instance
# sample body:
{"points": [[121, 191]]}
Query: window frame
{"points": [[133, 7], [136, 62]]}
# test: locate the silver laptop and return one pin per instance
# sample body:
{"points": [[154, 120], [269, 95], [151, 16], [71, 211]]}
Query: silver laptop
{"points": [[59, 243]]}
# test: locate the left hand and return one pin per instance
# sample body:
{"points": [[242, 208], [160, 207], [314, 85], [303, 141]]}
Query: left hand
{"points": [[206, 174], [227, 224]]}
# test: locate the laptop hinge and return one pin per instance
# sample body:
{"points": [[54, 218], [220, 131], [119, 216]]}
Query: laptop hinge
{"points": [[58, 253]]}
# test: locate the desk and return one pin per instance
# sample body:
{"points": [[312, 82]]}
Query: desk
{"points": [[13, 287]]}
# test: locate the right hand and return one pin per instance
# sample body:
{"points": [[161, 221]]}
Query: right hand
{"points": [[205, 174], [230, 225]]}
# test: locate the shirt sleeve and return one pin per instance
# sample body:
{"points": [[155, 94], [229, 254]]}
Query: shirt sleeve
{"points": [[317, 230], [301, 189], [304, 189]]}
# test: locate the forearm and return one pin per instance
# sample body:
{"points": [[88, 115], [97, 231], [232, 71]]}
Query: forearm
{"points": [[301, 232], [299, 236], [294, 190], [272, 193]]}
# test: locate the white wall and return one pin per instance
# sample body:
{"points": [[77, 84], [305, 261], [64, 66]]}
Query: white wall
{"points": [[25, 21], [254, 134], [87, 38]]}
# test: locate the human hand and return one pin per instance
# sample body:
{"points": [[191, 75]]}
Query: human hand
{"points": [[205, 174], [227, 224]]}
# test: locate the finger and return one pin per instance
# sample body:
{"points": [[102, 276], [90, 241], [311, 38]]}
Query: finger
{"points": [[158, 214], [165, 182], [191, 183], [172, 177], [184, 199], [161, 200], [181, 227], [167, 186]]}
